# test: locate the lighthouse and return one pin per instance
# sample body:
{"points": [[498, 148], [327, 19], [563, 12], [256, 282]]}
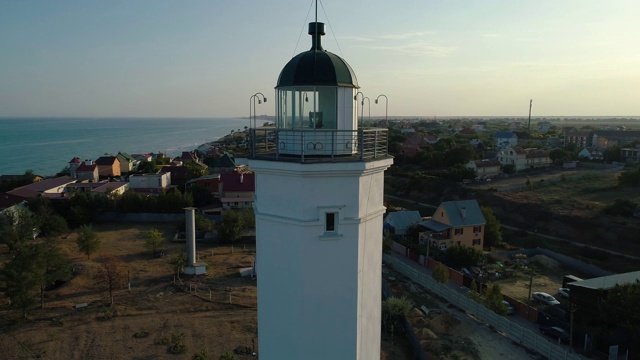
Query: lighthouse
{"points": [[319, 215]]}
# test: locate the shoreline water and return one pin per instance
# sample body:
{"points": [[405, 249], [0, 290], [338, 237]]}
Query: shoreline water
{"points": [[46, 145]]}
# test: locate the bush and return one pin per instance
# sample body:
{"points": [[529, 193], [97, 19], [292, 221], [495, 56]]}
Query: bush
{"points": [[177, 344], [393, 310], [243, 350], [227, 356], [621, 207], [106, 315], [200, 355], [141, 334]]}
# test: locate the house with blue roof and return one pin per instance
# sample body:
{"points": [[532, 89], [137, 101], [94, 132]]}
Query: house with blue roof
{"points": [[455, 223], [505, 139], [398, 222]]}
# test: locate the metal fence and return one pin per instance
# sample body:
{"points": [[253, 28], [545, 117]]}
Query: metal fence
{"points": [[501, 324]]}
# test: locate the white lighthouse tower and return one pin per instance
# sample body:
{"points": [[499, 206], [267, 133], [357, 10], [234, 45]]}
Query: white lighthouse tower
{"points": [[319, 209]]}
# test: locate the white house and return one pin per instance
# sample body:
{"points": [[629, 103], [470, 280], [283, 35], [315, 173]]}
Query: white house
{"points": [[505, 139], [150, 182]]}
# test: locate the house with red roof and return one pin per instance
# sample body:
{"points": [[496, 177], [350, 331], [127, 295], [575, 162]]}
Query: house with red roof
{"points": [[87, 170], [73, 166], [237, 189], [40, 188], [188, 156]]}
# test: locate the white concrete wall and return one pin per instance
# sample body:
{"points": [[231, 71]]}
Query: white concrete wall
{"points": [[150, 181], [318, 293]]}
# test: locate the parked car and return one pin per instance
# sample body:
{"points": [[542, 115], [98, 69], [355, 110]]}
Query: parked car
{"points": [[564, 292], [510, 310], [555, 332], [545, 298]]}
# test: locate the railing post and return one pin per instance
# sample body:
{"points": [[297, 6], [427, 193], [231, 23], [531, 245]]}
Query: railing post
{"points": [[302, 146], [252, 142], [277, 138], [375, 145], [361, 144]]}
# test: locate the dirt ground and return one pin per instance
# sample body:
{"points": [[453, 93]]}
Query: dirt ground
{"points": [[547, 277], [449, 333], [144, 319]]}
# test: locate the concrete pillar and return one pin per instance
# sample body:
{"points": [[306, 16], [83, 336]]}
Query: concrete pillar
{"points": [[190, 220]]}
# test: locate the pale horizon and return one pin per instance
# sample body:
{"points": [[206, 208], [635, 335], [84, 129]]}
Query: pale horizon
{"points": [[204, 59]]}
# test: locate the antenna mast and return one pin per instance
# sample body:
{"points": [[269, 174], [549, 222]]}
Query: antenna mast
{"points": [[530, 105]]}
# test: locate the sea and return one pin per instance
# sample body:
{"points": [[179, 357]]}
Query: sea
{"points": [[46, 145]]}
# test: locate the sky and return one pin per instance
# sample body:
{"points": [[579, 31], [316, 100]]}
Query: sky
{"points": [[156, 58]]}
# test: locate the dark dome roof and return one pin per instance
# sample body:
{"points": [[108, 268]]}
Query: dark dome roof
{"points": [[317, 66]]}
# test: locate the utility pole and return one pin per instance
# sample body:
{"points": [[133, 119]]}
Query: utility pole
{"points": [[572, 309], [529, 126]]}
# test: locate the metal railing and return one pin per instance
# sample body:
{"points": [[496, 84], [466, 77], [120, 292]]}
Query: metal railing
{"points": [[317, 145]]}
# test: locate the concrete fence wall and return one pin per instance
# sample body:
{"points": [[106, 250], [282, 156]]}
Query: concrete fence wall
{"points": [[140, 217], [513, 331]]}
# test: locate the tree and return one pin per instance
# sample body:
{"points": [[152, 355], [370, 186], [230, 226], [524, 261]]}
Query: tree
{"points": [[195, 170], [474, 293], [509, 169], [22, 277], [460, 256], [111, 276], [53, 225], [393, 310], [559, 156], [17, 226], [248, 218], [55, 266], [231, 226], [178, 262], [88, 241], [493, 299], [630, 178], [154, 239], [492, 229], [621, 308], [413, 232], [441, 274]]}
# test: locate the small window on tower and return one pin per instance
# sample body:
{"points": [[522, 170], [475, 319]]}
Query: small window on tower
{"points": [[330, 222]]}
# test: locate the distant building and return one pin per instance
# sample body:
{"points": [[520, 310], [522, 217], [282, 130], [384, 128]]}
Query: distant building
{"points": [[46, 186], [610, 138], [108, 166], [127, 163], [485, 169], [630, 155], [400, 221], [544, 127], [591, 153], [582, 139], [455, 223], [87, 170], [505, 139], [237, 190], [524, 158], [150, 183]]}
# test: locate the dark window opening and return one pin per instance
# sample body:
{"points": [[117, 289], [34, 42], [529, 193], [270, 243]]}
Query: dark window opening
{"points": [[330, 222]]}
